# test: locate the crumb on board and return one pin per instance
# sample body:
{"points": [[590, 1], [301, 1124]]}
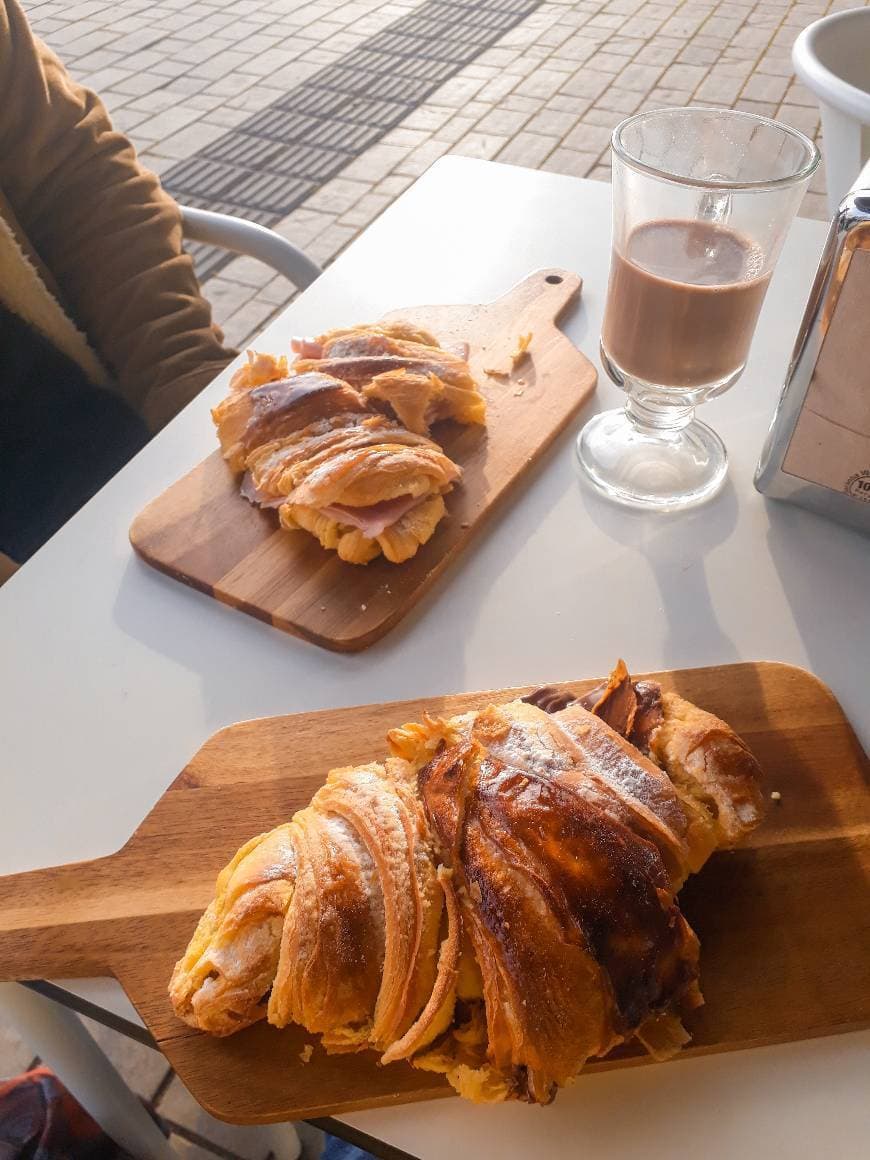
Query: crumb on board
{"points": [[776, 796], [521, 382], [465, 524], [517, 356], [519, 392], [363, 607], [522, 349], [323, 608], [306, 1053]]}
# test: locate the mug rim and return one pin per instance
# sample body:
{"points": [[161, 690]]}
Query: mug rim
{"points": [[800, 175]]}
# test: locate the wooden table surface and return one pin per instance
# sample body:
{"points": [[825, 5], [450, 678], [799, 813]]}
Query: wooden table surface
{"points": [[112, 675]]}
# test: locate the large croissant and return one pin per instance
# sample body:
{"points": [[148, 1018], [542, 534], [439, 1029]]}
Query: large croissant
{"points": [[496, 901], [338, 443]]}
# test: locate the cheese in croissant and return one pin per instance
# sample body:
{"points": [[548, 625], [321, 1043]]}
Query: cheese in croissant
{"points": [[495, 901]]}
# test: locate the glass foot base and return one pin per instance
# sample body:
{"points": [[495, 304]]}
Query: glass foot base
{"points": [[652, 469]]}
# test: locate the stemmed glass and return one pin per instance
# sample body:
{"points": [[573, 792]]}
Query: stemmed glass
{"points": [[702, 201]]}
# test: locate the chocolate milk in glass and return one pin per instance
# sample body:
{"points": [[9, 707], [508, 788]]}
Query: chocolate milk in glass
{"points": [[683, 301]]}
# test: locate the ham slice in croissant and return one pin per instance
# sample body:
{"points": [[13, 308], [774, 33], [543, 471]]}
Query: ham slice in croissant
{"points": [[495, 901], [312, 447]]}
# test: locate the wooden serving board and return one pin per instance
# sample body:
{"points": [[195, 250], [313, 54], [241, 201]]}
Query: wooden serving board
{"points": [[784, 922], [202, 532]]}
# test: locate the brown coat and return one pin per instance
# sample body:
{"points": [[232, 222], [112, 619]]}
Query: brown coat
{"points": [[90, 245]]}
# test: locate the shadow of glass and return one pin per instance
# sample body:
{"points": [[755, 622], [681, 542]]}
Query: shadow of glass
{"points": [[673, 547], [818, 585]]}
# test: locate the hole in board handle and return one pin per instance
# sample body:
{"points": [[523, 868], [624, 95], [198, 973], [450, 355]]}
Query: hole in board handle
{"points": [[554, 279]]}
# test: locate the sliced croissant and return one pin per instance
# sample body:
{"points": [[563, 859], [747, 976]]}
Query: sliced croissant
{"points": [[358, 339], [360, 482], [400, 367], [247, 419], [227, 970]]}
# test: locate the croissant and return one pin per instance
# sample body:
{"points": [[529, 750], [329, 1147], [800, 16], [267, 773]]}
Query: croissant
{"points": [[343, 340], [495, 901], [311, 446], [401, 367]]}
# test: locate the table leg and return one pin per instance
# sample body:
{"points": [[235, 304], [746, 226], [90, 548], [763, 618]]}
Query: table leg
{"points": [[59, 1038]]}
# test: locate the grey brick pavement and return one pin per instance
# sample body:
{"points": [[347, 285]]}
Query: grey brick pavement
{"points": [[176, 74]]}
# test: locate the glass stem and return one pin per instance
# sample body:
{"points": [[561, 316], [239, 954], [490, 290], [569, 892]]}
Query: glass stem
{"points": [[657, 415]]}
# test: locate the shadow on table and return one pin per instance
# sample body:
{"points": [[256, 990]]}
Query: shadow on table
{"points": [[820, 582], [208, 638], [673, 547]]}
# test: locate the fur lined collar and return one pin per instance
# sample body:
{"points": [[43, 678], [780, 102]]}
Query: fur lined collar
{"points": [[24, 291]]}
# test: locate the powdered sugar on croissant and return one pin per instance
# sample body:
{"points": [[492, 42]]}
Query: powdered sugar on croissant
{"points": [[496, 901]]}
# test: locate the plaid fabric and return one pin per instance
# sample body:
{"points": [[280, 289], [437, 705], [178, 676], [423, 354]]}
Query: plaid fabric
{"points": [[40, 1120]]}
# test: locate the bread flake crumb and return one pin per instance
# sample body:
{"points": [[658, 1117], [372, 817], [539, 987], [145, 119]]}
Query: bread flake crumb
{"points": [[363, 607], [306, 1053], [776, 796], [522, 349]]}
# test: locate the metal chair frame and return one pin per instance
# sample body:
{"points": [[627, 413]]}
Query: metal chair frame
{"points": [[256, 241]]}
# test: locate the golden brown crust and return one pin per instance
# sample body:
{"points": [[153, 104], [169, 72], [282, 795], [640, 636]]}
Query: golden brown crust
{"points": [[680, 828], [344, 340], [332, 950], [401, 541], [418, 399], [705, 757], [359, 369], [400, 369], [702, 760], [228, 968], [413, 398], [570, 914], [278, 466], [251, 417], [437, 1015], [496, 902], [579, 749], [398, 543], [360, 939]]}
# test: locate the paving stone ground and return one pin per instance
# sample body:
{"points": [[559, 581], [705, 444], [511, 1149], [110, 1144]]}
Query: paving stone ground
{"points": [[176, 74]]}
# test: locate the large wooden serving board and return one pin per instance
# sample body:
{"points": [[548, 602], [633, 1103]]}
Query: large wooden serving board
{"points": [[202, 532], [784, 923]]}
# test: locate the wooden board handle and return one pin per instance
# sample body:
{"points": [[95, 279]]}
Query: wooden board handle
{"points": [[58, 921], [543, 295]]}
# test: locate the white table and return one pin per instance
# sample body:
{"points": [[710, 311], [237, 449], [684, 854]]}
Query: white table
{"points": [[113, 675]]}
